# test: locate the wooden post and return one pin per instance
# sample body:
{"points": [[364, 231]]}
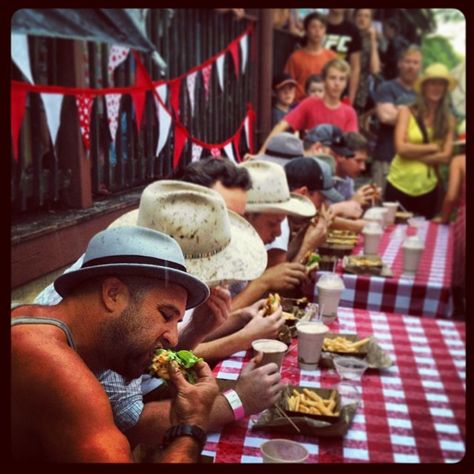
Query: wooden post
{"points": [[70, 148]]}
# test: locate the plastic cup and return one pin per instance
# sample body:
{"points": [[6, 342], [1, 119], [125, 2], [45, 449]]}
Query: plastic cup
{"points": [[270, 350], [350, 368], [392, 210], [330, 287], [412, 250], [310, 340], [372, 235], [283, 451]]}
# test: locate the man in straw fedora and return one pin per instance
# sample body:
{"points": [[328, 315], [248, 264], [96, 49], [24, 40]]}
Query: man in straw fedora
{"points": [[219, 247], [124, 301], [269, 203]]}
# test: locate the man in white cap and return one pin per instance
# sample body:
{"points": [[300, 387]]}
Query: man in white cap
{"points": [[124, 301]]}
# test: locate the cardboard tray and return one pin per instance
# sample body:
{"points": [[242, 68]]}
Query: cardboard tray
{"points": [[322, 392], [377, 270], [362, 352]]}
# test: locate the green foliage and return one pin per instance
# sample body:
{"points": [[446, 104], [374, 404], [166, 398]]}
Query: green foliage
{"points": [[448, 15], [438, 49]]}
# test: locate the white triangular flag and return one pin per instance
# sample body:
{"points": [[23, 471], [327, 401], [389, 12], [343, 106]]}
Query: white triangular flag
{"points": [[247, 132], [112, 102], [164, 120], [196, 152], [229, 151], [20, 54], [220, 70], [117, 55], [162, 91], [244, 46], [191, 82], [52, 107]]}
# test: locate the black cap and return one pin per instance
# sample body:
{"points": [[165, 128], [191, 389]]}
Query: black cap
{"points": [[331, 136]]}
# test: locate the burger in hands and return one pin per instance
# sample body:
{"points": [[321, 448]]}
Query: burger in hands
{"points": [[311, 261], [271, 304], [185, 360]]}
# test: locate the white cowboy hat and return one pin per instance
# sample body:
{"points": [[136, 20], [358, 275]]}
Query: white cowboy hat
{"points": [[270, 192], [134, 250], [217, 243]]}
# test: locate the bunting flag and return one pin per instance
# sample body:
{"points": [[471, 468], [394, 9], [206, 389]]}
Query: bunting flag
{"points": [[215, 151], [84, 107], [164, 120], [17, 112], [117, 55], [162, 91], [196, 152], [191, 83], [112, 102], [52, 107], [244, 47], [180, 137], [206, 75], [20, 54], [236, 141], [230, 152], [247, 130], [234, 52], [220, 70], [175, 87]]}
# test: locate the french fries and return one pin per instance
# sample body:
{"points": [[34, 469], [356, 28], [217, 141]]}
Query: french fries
{"points": [[310, 402], [341, 344]]}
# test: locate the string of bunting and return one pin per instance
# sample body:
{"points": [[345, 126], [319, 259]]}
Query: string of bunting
{"points": [[52, 97]]}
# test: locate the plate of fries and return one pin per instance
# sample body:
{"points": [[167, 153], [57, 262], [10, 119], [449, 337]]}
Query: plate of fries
{"points": [[345, 344], [317, 403]]}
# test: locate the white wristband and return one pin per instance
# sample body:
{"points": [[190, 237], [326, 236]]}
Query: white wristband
{"points": [[235, 403]]}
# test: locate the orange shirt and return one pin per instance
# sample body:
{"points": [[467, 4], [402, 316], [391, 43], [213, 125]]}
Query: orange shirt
{"points": [[301, 65]]}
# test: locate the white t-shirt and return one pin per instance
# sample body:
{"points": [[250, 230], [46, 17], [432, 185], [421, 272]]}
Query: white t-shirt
{"points": [[283, 240]]}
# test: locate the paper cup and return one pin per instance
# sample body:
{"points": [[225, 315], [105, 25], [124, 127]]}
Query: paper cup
{"points": [[392, 210], [283, 451], [270, 350], [310, 340]]}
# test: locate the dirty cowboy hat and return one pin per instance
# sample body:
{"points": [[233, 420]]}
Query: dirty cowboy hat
{"points": [[217, 243], [281, 148], [133, 250], [270, 191], [436, 71]]}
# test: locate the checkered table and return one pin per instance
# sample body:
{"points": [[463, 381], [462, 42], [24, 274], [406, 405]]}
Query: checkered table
{"points": [[413, 412], [427, 294]]}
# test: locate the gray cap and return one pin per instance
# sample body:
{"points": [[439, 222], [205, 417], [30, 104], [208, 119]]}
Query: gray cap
{"points": [[331, 136], [135, 250], [281, 148], [328, 191]]}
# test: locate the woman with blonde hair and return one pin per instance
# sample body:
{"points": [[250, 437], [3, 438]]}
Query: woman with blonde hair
{"points": [[423, 139]]}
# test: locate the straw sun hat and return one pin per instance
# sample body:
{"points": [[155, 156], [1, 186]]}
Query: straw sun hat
{"points": [[436, 71], [135, 251], [270, 192], [218, 244]]}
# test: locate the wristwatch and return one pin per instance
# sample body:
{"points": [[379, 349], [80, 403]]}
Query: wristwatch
{"points": [[185, 430]]}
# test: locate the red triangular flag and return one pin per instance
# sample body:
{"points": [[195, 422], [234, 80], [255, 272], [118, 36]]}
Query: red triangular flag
{"points": [[17, 112], [234, 51], [138, 98], [84, 107], [180, 137], [175, 87], [236, 141]]}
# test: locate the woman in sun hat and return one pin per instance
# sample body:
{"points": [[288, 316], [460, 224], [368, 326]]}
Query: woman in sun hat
{"points": [[423, 139]]}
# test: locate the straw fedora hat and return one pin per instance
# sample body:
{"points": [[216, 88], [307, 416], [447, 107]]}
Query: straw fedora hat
{"points": [[436, 71], [133, 250], [218, 244], [270, 192]]}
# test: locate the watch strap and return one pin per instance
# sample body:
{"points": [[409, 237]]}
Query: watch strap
{"points": [[235, 403], [177, 431]]}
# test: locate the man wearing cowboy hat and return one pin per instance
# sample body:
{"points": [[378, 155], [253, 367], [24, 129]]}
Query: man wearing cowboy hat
{"points": [[269, 202], [191, 214], [124, 301]]}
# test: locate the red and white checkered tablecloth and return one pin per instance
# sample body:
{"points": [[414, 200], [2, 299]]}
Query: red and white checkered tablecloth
{"points": [[413, 412], [427, 294]]}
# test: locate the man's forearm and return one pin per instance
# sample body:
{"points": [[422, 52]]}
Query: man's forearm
{"points": [[218, 349], [251, 293]]}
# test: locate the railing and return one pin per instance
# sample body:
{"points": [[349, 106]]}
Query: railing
{"points": [[42, 176]]}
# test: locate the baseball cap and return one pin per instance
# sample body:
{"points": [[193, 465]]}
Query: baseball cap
{"points": [[281, 80], [331, 136], [281, 148]]}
